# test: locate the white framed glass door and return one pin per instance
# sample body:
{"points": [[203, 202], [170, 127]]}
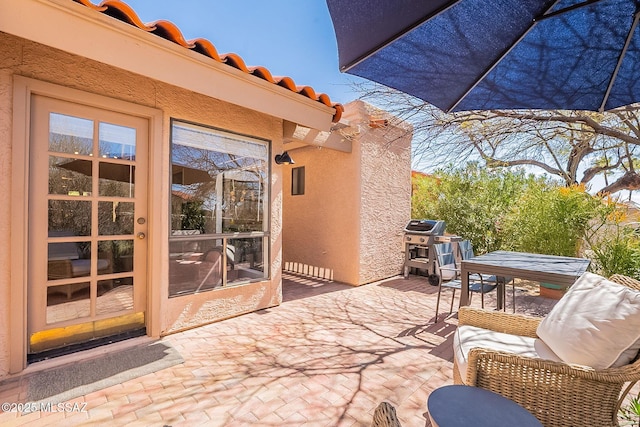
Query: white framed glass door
{"points": [[87, 223]]}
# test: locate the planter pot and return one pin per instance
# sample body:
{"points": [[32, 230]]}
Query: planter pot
{"points": [[552, 291]]}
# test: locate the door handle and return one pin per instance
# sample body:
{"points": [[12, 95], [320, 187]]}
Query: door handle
{"points": [[141, 235]]}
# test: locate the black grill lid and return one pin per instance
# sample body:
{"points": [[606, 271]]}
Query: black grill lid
{"points": [[425, 226]]}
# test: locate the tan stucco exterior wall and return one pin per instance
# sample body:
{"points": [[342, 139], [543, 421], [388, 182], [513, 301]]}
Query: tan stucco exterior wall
{"points": [[385, 194], [349, 221], [320, 227], [25, 58]]}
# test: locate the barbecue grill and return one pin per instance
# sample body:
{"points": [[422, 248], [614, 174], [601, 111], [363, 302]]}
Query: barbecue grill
{"points": [[419, 236]]}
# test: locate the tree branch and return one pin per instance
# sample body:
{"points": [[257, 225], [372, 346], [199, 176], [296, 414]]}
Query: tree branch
{"points": [[493, 162], [628, 181], [588, 121], [591, 172]]}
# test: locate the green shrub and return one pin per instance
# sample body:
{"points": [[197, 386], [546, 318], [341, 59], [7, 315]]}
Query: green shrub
{"points": [[615, 247], [631, 412], [550, 219], [617, 257], [473, 201], [502, 209]]}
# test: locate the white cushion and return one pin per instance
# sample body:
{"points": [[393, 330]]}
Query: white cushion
{"points": [[468, 337], [596, 323]]}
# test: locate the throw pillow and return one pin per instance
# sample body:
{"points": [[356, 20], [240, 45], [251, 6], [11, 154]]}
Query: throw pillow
{"points": [[596, 323]]}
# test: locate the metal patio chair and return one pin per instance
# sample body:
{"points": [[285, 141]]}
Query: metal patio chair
{"points": [[466, 253], [449, 276]]}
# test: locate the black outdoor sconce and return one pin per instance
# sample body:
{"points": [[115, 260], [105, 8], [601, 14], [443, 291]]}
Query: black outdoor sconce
{"points": [[284, 159]]}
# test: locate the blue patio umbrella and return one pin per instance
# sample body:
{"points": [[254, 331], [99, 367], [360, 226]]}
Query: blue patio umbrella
{"points": [[495, 54]]}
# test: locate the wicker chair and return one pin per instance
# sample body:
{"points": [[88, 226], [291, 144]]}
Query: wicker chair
{"points": [[385, 416], [557, 394]]}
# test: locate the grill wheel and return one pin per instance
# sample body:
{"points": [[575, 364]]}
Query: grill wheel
{"points": [[434, 279]]}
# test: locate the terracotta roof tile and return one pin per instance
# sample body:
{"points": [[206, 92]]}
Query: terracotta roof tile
{"points": [[91, 5], [169, 31]]}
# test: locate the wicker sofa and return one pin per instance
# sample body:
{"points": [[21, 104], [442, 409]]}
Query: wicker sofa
{"points": [[557, 393]]}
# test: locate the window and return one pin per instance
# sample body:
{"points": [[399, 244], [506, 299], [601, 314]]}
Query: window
{"points": [[297, 181], [219, 209]]}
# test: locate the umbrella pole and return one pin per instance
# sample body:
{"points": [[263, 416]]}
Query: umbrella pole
{"points": [[620, 59]]}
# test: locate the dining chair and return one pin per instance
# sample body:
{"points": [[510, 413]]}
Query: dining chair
{"points": [[448, 273], [466, 253]]}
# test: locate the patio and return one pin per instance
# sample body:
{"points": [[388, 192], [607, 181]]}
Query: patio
{"points": [[326, 357]]}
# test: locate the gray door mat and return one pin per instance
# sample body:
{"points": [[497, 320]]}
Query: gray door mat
{"points": [[69, 381]]}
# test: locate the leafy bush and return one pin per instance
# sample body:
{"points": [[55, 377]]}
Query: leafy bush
{"points": [[631, 412], [617, 256], [614, 246], [550, 219], [502, 209], [473, 201]]}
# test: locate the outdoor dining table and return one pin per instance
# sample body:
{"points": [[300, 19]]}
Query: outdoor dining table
{"points": [[558, 270]]}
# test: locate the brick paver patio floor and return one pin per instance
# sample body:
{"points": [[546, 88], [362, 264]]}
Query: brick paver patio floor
{"points": [[325, 357]]}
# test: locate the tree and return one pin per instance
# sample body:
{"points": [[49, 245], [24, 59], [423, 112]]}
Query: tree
{"points": [[575, 146]]}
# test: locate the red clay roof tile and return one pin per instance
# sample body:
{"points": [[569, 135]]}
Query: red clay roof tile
{"points": [[206, 48], [169, 31], [91, 5], [121, 11]]}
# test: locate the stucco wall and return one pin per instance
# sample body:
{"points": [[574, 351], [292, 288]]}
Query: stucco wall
{"points": [[349, 221], [21, 57], [385, 194], [321, 226]]}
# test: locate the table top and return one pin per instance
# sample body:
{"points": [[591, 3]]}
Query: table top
{"points": [[527, 265], [461, 405]]}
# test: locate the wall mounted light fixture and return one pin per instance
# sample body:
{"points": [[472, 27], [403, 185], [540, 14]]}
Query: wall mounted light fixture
{"points": [[284, 159]]}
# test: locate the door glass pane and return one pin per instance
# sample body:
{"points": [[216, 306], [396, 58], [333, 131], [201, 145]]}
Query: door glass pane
{"points": [[69, 218], [68, 302], [68, 259], [116, 180], [116, 256], [115, 218], [68, 134], [117, 142], [71, 177], [114, 295]]}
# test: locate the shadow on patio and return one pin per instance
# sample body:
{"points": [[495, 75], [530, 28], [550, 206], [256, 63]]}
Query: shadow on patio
{"points": [[326, 357]]}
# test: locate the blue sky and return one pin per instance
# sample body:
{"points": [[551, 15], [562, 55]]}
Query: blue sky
{"points": [[292, 38]]}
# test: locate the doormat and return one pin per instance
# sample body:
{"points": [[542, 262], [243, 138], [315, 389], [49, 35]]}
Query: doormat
{"points": [[78, 379]]}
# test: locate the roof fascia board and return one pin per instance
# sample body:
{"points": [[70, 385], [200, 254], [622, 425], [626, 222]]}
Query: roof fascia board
{"points": [[71, 27]]}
